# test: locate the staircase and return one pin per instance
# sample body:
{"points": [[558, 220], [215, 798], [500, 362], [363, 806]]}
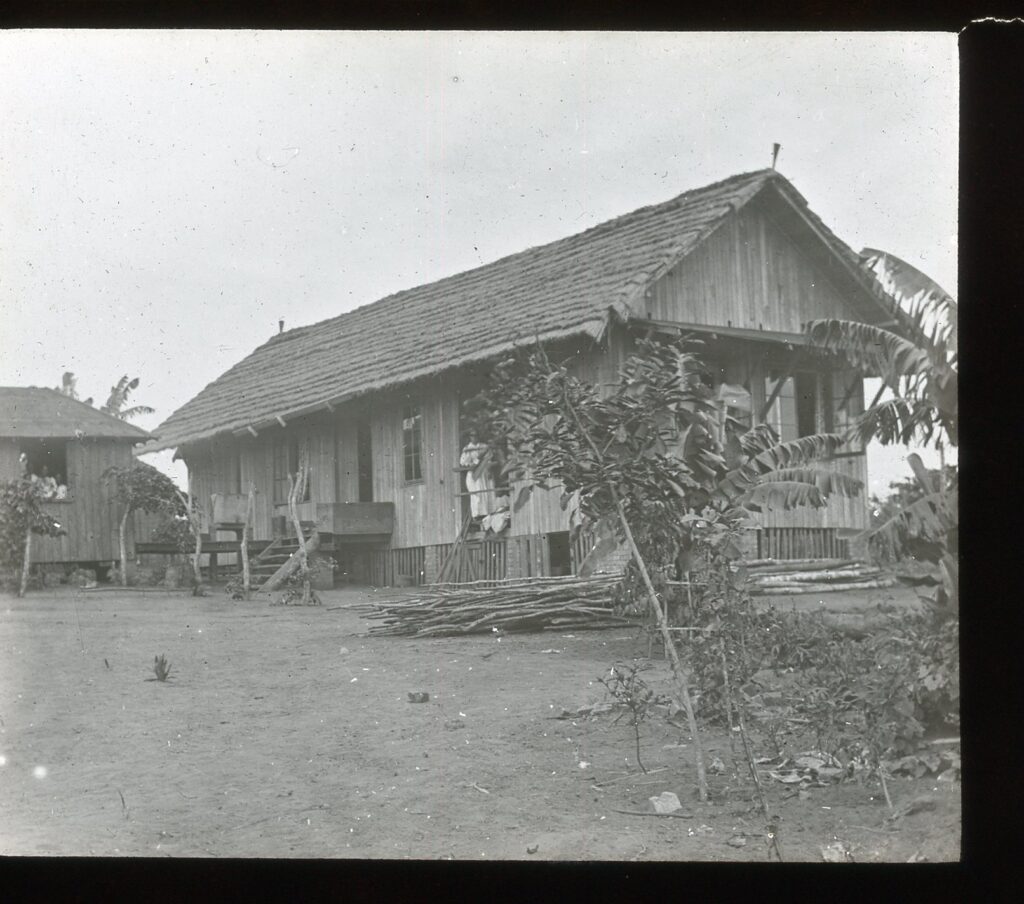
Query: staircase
{"points": [[274, 558]]}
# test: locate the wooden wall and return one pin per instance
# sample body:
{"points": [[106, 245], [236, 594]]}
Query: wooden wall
{"points": [[10, 465], [90, 516], [749, 274], [428, 512]]}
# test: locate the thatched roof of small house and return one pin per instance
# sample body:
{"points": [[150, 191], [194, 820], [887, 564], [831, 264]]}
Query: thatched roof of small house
{"points": [[39, 413]]}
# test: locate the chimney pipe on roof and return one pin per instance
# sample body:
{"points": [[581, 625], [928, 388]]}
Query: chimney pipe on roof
{"points": [[280, 327], [775, 153]]}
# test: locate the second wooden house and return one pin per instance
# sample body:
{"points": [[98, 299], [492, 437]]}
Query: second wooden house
{"points": [[68, 445], [371, 399]]}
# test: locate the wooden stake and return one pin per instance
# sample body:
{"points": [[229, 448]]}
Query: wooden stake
{"points": [[244, 552], [26, 563]]}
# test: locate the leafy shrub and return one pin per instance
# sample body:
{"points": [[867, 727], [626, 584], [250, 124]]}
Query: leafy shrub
{"points": [[176, 530]]}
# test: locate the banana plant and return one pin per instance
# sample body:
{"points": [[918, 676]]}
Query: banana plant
{"points": [[118, 399], [917, 362]]}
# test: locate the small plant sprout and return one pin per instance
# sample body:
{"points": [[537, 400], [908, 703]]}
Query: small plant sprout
{"points": [[161, 667], [628, 688]]}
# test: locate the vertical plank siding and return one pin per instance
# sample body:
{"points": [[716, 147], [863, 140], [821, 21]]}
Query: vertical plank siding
{"points": [[597, 364], [91, 515], [749, 275], [427, 511]]}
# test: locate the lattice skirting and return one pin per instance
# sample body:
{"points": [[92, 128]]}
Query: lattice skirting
{"points": [[419, 564], [801, 543]]}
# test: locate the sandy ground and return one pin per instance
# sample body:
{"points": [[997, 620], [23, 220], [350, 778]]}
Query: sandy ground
{"points": [[284, 732]]}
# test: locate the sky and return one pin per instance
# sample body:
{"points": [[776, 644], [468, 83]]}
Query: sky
{"points": [[166, 197]]}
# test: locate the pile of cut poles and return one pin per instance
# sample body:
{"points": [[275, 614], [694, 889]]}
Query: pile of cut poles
{"points": [[529, 604], [795, 576]]}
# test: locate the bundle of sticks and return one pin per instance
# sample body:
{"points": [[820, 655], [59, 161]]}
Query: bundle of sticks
{"points": [[533, 604], [814, 576]]}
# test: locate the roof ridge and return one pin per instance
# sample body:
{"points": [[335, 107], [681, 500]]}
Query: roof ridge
{"points": [[603, 226], [568, 286]]}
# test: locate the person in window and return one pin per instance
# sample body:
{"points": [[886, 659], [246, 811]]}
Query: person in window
{"points": [[479, 482], [49, 484]]}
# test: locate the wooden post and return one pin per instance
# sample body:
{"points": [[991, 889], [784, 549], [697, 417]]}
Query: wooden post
{"points": [[244, 551], [296, 489], [26, 564], [196, 524], [678, 671], [123, 546]]}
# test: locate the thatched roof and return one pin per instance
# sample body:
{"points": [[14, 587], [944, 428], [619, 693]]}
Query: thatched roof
{"points": [[28, 411], [571, 287]]}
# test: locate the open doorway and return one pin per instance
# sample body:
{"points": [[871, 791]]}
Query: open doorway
{"points": [[559, 554]]}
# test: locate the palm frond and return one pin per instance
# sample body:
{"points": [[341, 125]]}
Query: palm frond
{"points": [[784, 495], [758, 438], [929, 518], [874, 351], [118, 398], [901, 420], [790, 454], [902, 279], [827, 482], [795, 452], [135, 411]]}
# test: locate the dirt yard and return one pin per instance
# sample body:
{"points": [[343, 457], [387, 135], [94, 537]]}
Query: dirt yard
{"points": [[285, 732]]}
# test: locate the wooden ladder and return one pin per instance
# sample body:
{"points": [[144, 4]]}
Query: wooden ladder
{"points": [[458, 565]]}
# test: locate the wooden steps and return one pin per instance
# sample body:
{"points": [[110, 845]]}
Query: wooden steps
{"points": [[272, 565]]}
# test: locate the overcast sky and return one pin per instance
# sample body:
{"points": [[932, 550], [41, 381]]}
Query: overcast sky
{"points": [[166, 197]]}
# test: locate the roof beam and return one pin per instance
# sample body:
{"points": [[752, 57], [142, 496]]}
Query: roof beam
{"points": [[252, 430], [716, 331], [280, 420]]}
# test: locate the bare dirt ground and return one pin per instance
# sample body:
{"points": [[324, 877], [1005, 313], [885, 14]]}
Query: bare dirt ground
{"points": [[284, 732]]}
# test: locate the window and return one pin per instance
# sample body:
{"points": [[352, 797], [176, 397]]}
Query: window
{"points": [[847, 405], [235, 474], [781, 416], [364, 460], [46, 461], [808, 403], [412, 442], [806, 399], [286, 464]]}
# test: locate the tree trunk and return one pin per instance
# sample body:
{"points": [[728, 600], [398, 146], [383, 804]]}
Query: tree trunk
{"points": [[26, 563], [244, 552], [682, 684], [195, 522], [295, 490], [123, 547], [197, 527]]}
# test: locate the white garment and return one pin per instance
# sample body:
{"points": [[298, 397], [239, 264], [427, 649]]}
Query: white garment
{"points": [[479, 483]]}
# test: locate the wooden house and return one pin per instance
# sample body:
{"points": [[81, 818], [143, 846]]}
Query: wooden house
{"points": [[69, 444], [371, 398]]}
